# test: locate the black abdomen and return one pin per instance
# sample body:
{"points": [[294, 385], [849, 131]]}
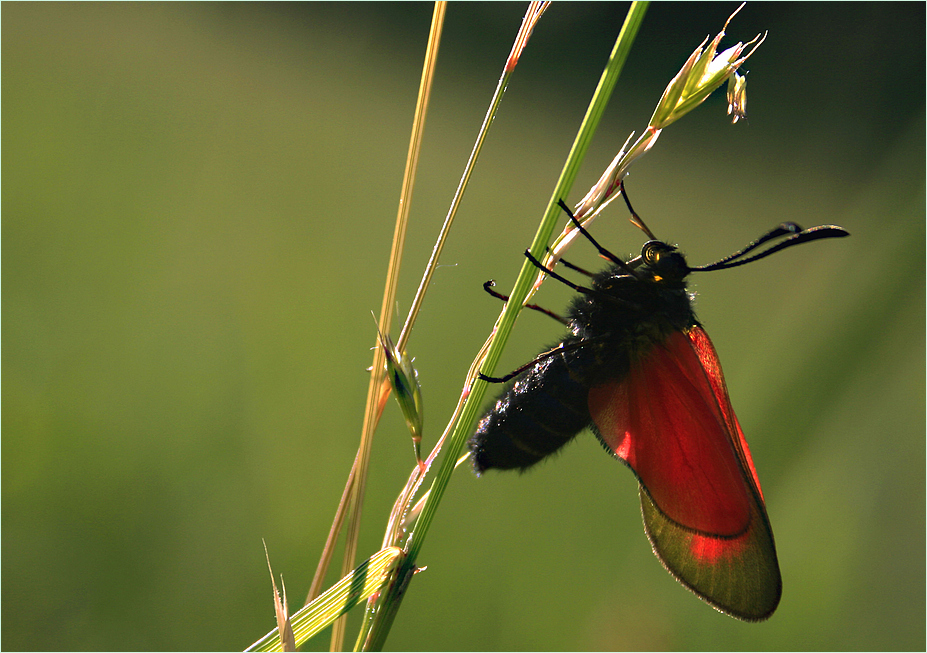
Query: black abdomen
{"points": [[536, 415]]}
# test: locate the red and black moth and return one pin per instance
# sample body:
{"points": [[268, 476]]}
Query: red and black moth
{"points": [[640, 371]]}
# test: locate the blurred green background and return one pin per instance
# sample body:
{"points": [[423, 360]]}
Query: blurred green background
{"points": [[198, 202]]}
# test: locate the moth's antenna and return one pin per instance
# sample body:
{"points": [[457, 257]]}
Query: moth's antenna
{"points": [[797, 237]]}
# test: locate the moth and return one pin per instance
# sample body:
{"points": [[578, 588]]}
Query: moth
{"points": [[638, 369]]}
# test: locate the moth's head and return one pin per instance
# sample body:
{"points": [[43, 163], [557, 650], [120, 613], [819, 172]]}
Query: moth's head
{"points": [[662, 263]]}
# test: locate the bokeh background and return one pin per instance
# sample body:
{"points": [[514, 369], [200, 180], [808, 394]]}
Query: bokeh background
{"points": [[197, 207]]}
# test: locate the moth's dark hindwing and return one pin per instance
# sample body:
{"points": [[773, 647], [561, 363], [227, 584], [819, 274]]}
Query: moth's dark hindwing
{"points": [[546, 406]]}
